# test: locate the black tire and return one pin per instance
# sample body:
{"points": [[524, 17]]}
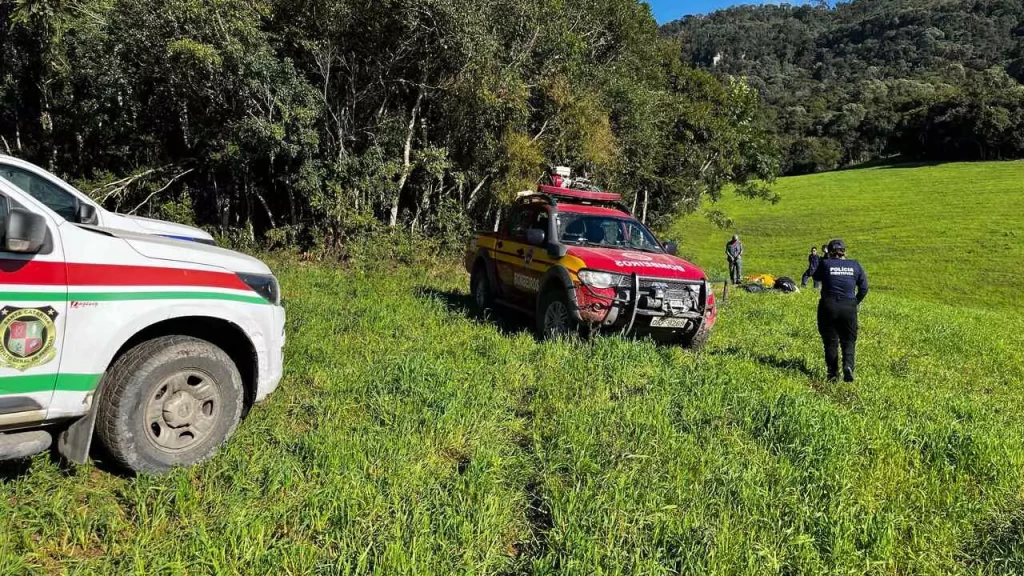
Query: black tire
{"points": [[480, 288], [552, 304], [696, 340], [169, 380]]}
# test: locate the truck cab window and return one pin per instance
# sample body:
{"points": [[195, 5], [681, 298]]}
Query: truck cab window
{"points": [[54, 197], [519, 223]]}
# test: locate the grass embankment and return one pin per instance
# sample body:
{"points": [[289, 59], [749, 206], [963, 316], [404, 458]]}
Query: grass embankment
{"points": [[951, 234], [410, 437]]}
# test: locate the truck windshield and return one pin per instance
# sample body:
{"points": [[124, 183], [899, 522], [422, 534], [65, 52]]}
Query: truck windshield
{"points": [[607, 232]]}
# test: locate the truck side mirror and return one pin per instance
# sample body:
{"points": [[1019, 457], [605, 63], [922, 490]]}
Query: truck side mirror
{"points": [[86, 214], [24, 231], [535, 237], [671, 248]]}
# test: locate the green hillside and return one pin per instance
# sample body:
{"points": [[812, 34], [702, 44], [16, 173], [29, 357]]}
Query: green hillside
{"points": [[951, 233]]}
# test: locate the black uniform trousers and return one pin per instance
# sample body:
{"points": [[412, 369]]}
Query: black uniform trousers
{"points": [[837, 323]]}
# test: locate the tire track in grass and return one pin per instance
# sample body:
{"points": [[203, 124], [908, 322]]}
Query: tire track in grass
{"points": [[538, 512]]}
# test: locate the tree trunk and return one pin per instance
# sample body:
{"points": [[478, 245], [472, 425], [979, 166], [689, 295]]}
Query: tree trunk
{"points": [[646, 200], [406, 160]]}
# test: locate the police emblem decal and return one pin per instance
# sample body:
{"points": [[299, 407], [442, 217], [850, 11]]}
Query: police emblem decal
{"points": [[28, 337]]}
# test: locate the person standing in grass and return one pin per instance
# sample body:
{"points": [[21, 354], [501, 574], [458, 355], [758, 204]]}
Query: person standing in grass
{"points": [[734, 254], [812, 265], [844, 287]]}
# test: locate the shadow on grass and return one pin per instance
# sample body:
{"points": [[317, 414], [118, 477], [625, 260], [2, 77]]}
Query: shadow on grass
{"points": [[916, 164], [508, 322], [789, 364], [997, 544], [13, 470], [892, 163]]}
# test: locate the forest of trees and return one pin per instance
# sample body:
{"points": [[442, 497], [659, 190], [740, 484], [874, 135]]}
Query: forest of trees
{"points": [[873, 79], [320, 120]]}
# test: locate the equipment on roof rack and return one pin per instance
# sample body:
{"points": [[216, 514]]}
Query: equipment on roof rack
{"points": [[562, 185]]}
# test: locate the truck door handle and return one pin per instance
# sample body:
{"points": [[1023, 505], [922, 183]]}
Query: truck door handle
{"points": [[521, 252], [501, 244]]}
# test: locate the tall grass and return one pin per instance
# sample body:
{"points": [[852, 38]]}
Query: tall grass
{"points": [[412, 437]]}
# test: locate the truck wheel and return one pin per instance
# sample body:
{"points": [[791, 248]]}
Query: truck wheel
{"points": [[169, 402], [480, 286], [555, 318], [695, 340]]}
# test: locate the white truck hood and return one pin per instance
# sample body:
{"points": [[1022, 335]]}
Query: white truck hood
{"points": [[125, 222], [161, 248]]}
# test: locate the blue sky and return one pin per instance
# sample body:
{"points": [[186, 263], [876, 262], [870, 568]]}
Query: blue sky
{"points": [[669, 10]]}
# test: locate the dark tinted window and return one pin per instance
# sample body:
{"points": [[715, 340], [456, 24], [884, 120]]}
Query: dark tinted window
{"points": [[519, 222], [54, 197]]}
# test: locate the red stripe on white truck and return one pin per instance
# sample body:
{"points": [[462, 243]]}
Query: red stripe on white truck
{"points": [[33, 273]]}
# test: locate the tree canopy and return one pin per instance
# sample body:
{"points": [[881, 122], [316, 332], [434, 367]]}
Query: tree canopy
{"points": [[322, 119], [870, 79]]}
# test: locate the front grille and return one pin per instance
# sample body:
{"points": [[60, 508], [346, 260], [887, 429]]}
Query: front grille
{"points": [[675, 291]]}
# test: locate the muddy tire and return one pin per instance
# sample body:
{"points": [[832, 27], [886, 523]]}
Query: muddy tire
{"points": [[696, 340], [555, 317], [168, 402], [481, 289]]}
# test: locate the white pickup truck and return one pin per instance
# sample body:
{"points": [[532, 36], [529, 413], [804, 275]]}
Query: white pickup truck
{"points": [[156, 347], [74, 206]]}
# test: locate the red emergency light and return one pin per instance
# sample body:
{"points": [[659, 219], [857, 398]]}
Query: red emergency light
{"points": [[584, 195]]}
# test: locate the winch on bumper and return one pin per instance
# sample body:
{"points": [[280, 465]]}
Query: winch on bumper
{"points": [[648, 305]]}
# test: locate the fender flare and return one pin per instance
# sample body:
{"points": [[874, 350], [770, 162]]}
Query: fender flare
{"points": [[558, 278]]}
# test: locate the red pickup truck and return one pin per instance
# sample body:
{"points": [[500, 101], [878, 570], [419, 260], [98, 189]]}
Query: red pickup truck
{"points": [[577, 261]]}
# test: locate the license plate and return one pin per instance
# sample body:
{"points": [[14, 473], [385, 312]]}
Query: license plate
{"points": [[669, 322]]}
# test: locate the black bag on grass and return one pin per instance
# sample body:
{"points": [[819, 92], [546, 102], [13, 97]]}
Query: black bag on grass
{"points": [[786, 285]]}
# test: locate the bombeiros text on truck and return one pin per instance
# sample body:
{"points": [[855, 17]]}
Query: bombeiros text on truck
{"points": [[574, 258], [155, 346]]}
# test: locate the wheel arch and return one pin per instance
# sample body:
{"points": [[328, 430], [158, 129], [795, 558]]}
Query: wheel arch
{"points": [[558, 278], [224, 334], [483, 258]]}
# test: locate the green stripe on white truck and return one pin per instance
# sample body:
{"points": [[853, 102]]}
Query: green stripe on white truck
{"points": [[44, 383]]}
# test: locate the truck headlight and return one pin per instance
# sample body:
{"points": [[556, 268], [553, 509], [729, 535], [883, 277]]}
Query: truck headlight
{"points": [[602, 280], [265, 285]]}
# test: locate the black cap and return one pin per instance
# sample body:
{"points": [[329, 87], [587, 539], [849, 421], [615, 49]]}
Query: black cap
{"points": [[837, 247]]}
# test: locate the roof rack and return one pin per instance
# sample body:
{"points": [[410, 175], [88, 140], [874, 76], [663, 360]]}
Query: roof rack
{"points": [[580, 195]]}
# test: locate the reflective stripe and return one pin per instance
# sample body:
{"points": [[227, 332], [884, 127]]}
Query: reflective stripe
{"points": [[10, 385]]}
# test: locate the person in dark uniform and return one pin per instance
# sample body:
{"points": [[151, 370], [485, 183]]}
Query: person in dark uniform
{"points": [[812, 264], [734, 254], [844, 287]]}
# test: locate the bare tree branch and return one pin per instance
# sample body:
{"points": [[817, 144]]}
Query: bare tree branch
{"points": [[121, 185], [166, 186]]}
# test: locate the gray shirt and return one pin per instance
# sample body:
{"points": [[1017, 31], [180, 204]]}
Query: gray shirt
{"points": [[734, 250]]}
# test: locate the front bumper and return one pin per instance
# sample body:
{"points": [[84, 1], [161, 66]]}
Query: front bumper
{"points": [[271, 357], [650, 306]]}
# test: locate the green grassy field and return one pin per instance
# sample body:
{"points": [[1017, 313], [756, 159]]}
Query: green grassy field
{"points": [[952, 233], [412, 437]]}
